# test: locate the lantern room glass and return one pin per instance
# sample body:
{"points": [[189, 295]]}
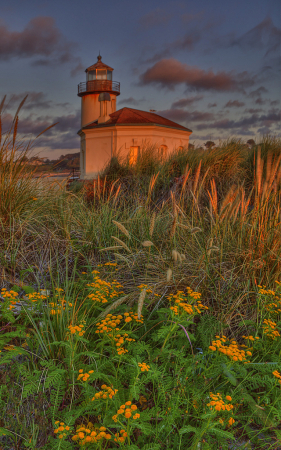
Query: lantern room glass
{"points": [[101, 74], [91, 75]]}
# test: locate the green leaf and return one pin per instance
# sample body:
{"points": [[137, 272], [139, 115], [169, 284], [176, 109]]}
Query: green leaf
{"points": [[145, 427], [221, 433], [229, 375], [4, 432], [28, 289], [188, 429]]}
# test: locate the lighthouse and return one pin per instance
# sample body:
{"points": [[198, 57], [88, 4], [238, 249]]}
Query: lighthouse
{"points": [[98, 94], [106, 132]]}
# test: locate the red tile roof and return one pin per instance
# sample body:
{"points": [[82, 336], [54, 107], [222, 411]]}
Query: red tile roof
{"points": [[129, 116]]}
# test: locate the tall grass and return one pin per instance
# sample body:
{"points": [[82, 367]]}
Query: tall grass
{"points": [[219, 209]]}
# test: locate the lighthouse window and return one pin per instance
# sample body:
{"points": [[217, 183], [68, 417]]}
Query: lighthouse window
{"points": [[109, 75], [91, 75], [101, 74]]}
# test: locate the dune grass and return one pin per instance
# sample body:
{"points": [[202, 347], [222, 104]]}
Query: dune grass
{"points": [[142, 242]]}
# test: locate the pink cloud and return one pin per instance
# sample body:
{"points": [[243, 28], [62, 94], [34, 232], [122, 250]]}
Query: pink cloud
{"points": [[41, 39], [168, 73]]}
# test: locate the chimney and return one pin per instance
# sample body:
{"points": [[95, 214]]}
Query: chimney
{"points": [[104, 97]]}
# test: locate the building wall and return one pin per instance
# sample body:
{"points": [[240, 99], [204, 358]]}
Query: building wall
{"points": [[98, 145]]}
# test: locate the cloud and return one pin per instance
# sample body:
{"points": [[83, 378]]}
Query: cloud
{"points": [[181, 115], [130, 101], [40, 39], [269, 119], [234, 103], [34, 100], [186, 101], [265, 36], [260, 101], [169, 73], [257, 92], [253, 110], [212, 105], [154, 18]]}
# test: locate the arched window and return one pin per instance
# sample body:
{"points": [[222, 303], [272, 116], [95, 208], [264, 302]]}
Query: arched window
{"points": [[133, 155], [162, 151]]}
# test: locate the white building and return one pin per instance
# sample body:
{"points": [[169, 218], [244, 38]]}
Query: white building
{"points": [[105, 131]]}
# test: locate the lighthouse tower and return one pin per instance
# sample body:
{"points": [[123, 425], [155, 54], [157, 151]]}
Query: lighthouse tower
{"points": [[98, 94]]}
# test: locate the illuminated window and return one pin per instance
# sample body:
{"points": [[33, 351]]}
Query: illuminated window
{"points": [[133, 155], [162, 151], [101, 74]]}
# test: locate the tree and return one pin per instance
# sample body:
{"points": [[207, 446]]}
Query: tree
{"points": [[209, 144], [251, 143]]}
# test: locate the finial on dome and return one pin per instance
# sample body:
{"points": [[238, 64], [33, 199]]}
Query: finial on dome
{"points": [[99, 57]]}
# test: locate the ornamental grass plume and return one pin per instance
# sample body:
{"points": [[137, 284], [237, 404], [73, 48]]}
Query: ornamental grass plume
{"points": [[147, 244], [140, 302], [122, 228], [152, 224], [121, 243]]}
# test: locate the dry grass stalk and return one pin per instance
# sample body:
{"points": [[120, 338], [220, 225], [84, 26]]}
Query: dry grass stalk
{"points": [[15, 130], [121, 243], [195, 230], [169, 274], [112, 187], [151, 186], [147, 243], [213, 197], [152, 223], [116, 194], [173, 228], [114, 306], [196, 178], [114, 247], [259, 171], [140, 302], [122, 228]]}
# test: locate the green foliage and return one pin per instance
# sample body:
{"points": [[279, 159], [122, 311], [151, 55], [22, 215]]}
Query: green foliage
{"points": [[183, 396]]}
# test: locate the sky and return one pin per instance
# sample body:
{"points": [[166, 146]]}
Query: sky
{"points": [[213, 67]]}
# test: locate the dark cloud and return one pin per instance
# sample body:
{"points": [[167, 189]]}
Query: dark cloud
{"points": [[34, 125], [265, 36], [260, 101], [269, 119], [154, 18], [169, 73], [186, 101], [181, 115], [253, 110], [234, 103], [257, 92], [130, 101], [212, 105], [274, 102], [34, 100], [40, 39], [63, 141]]}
